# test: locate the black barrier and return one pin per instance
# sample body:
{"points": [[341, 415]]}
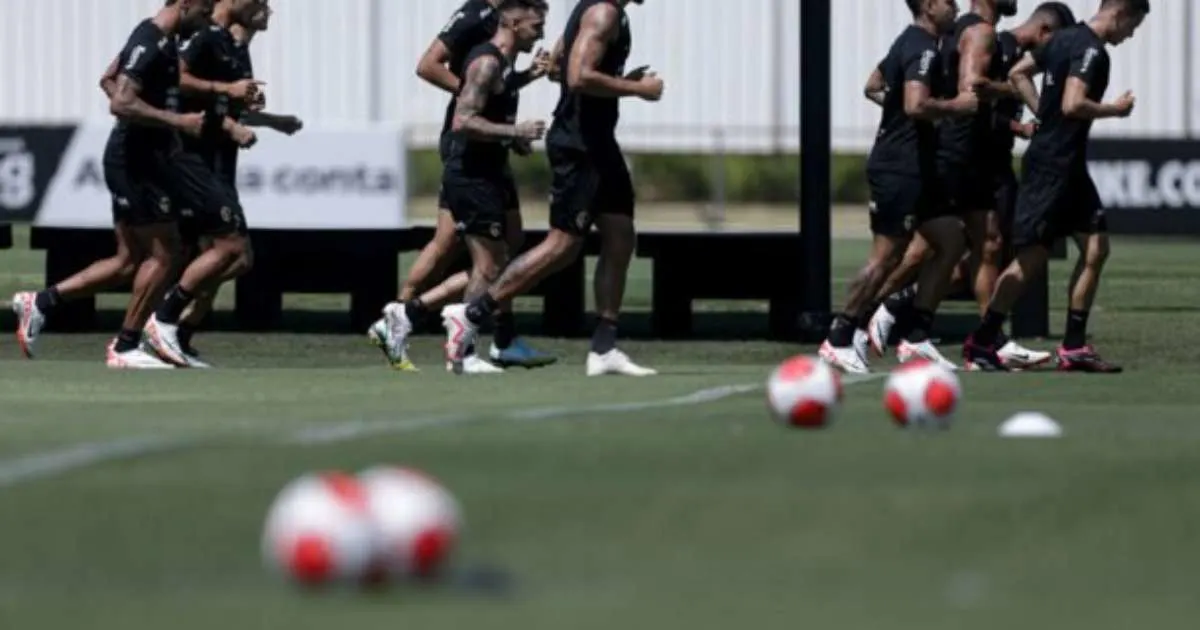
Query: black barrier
{"points": [[1149, 187]]}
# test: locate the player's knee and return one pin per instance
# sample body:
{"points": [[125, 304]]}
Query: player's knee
{"points": [[992, 248], [488, 270]]}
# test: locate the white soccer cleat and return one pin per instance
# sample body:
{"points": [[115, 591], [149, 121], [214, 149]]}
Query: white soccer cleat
{"points": [[136, 359], [474, 364], [163, 339], [394, 341], [460, 335], [861, 344], [615, 362], [1018, 357], [30, 321], [879, 329], [908, 351], [847, 360], [194, 361]]}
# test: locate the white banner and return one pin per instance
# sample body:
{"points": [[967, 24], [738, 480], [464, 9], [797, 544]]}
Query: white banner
{"points": [[316, 179]]}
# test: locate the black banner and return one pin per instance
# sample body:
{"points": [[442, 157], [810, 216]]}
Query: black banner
{"points": [[29, 158], [1149, 187]]}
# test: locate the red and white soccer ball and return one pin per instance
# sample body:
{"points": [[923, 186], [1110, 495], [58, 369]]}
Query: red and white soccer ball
{"points": [[417, 522], [319, 530], [804, 392], [922, 394]]}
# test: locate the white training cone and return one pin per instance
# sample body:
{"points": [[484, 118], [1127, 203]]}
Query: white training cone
{"points": [[1030, 424]]}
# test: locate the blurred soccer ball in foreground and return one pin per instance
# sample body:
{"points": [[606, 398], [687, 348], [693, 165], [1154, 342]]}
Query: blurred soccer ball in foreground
{"points": [[319, 530], [922, 394], [417, 523], [804, 392]]}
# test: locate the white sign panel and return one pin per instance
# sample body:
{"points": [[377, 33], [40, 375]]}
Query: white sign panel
{"points": [[316, 179]]}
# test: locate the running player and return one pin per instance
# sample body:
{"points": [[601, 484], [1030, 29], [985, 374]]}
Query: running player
{"points": [[591, 185], [901, 170], [1058, 197], [142, 84], [1000, 185], [442, 65], [213, 82]]}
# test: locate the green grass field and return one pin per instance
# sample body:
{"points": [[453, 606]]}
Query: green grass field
{"points": [[134, 501]]}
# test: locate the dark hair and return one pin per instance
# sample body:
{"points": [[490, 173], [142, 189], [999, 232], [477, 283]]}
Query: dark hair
{"points": [[536, 5], [1137, 6], [1057, 14], [914, 6]]}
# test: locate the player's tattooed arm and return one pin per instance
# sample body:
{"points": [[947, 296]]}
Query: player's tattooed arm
{"points": [[598, 28], [876, 88], [481, 77], [108, 81], [1021, 78], [975, 55], [126, 104]]}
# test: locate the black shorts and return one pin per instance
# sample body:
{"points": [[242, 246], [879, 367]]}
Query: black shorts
{"points": [[479, 205], [588, 183], [208, 204], [900, 202], [968, 185], [141, 188], [1004, 194], [1055, 202], [512, 201]]}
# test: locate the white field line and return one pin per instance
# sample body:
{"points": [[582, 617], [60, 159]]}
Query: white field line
{"points": [[51, 463]]}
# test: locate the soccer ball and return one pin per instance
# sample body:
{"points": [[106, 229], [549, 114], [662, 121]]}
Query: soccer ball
{"points": [[417, 520], [922, 394], [319, 530], [804, 392]]}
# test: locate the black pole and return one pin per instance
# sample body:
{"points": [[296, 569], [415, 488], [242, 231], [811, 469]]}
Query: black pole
{"points": [[815, 152]]}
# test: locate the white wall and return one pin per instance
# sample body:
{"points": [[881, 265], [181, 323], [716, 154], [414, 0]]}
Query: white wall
{"points": [[731, 66]]}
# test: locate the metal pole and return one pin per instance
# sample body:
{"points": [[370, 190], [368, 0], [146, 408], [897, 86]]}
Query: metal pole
{"points": [[374, 61], [777, 81], [1189, 78], [815, 149]]}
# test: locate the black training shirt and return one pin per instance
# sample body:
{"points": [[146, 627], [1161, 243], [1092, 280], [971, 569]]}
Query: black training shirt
{"points": [[904, 145], [1077, 52], [581, 120]]}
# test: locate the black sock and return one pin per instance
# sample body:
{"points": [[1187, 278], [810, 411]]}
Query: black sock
{"points": [[172, 307], [604, 339], [416, 311], [480, 310], [48, 299], [988, 332], [128, 340], [841, 331], [506, 330], [921, 324], [185, 334], [1076, 336], [901, 300]]}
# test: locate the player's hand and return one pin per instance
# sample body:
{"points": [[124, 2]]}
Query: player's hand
{"points": [[288, 125], [637, 73], [968, 102], [530, 130], [244, 90], [522, 148], [192, 124], [651, 86], [1026, 130], [541, 64], [243, 136], [1125, 103], [259, 103]]}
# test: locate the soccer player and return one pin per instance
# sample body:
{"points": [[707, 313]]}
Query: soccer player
{"points": [[1057, 196], [591, 185], [902, 172], [442, 65], [212, 82], [142, 84], [997, 183], [225, 156]]}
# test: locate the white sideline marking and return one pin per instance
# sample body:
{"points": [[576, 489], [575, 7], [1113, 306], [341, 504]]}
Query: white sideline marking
{"points": [[52, 463]]}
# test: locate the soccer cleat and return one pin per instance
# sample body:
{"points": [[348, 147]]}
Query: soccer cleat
{"points": [[474, 364], [30, 321], [163, 340], [136, 359], [1017, 357], [862, 344], [194, 361], [460, 335], [520, 354], [909, 351], [980, 358], [1084, 359], [397, 329], [879, 329], [847, 360], [615, 362]]}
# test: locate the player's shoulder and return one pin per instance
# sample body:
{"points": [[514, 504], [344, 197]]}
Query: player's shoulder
{"points": [[916, 43], [476, 11]]}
